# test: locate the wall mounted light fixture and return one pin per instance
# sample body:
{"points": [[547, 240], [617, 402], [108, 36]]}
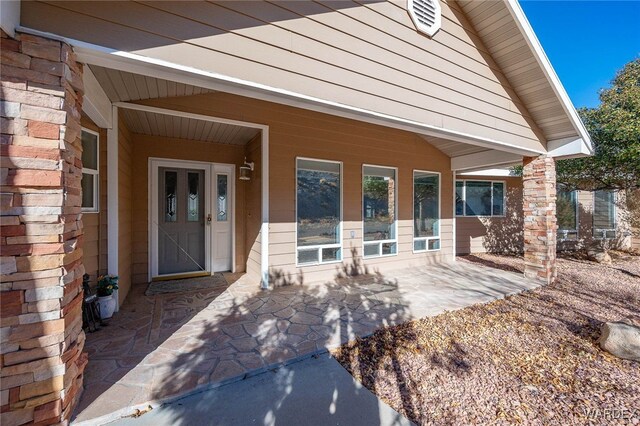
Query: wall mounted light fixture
{"points": [[245, 170]]}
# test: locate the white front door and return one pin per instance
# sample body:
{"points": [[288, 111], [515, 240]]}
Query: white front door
{"points": [[190, 217]]}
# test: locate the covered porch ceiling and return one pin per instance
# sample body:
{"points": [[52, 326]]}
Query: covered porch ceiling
{"points": [[469, 158], [122, 86]]}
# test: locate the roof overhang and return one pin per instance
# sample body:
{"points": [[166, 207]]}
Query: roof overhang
{"points": [[507, 35], [585, 147], [138, 64], [563, 144], [572, 148]]}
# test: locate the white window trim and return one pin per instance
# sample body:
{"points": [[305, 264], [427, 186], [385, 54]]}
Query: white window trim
{"points": [[319, 247], [413, 198], [96, 176], [464, 198], [562, 234], [395, 221], [615, 219]]}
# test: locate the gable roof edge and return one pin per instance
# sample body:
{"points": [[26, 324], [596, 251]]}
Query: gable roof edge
{"points": [[541, 57]]}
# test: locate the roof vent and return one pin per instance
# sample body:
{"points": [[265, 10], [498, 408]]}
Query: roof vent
{"points": [[425, 15]]}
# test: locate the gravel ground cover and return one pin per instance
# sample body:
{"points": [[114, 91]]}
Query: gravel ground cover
{"points": [[532, 358]]}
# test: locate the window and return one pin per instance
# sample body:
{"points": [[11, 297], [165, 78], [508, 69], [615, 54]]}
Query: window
{"points": [[480, 198], [90, 179], [222, 198], [426, 211], [567, 214], [318, 211], [379, 211], [426, 15], [604, 214]]}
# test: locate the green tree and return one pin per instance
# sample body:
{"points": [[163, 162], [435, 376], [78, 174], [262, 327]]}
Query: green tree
{"points": [[614, 127]]}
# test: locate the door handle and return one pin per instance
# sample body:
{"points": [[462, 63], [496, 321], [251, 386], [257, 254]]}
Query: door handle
{"points": [[209, 218]]}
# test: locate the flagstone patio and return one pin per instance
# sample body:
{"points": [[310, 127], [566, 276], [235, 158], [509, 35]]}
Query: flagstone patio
{"points": [[157, 348]]}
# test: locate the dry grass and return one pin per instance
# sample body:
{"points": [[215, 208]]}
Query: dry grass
{"points": [[532, 358]]}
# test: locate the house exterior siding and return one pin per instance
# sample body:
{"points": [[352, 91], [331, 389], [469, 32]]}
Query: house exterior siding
{"points": [[480, 234], [350, 82], [95, 224], [366, 56], [504, 234], [125, 206], [295, 133]]}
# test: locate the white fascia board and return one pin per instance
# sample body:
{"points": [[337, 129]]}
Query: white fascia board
{"points": [[541, 57], [95, 102], [564, 149], [10, 16], [488, 172], [484, 160], [138, 64]]}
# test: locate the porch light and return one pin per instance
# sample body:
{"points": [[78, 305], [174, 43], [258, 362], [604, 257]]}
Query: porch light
{"points": [[245, 170]]}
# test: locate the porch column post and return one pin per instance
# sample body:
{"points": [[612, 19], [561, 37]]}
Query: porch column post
{"points": [[540, 223], [41, 355], [454, 218], [264, 229], [113, 198]]}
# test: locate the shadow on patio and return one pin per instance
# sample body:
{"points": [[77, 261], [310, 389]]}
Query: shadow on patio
{"points": [[173, 345]]}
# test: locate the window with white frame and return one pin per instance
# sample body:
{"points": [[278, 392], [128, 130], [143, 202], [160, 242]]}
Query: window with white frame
{"points": [[426, 211], [90, 175], [604, 214], [318, 211], [379, 209], [567, 214], [480, 198]]}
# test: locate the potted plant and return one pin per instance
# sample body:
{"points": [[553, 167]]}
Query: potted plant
{"points": [[106, 285]]}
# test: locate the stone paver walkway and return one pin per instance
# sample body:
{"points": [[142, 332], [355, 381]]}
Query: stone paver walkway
{"points": [[158, 348]]}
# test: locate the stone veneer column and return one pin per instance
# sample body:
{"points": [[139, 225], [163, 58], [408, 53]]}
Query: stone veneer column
{"points": [[42, 339], [540, 223]]}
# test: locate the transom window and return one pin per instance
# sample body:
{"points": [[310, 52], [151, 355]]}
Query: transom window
{"points": [[426, 211], [90, 175], [480, 198], [379, 210], [604, 214], [318, 211], [567, 214]]}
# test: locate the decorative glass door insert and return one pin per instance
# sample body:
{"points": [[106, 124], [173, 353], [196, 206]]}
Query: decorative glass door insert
{"points": [[181, 227]]}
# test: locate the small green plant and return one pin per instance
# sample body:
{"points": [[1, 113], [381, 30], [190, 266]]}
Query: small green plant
{"points": [[106, 285]]}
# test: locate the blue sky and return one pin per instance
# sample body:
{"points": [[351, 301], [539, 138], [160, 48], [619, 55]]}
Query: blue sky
{"points": [[586, 41]]}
